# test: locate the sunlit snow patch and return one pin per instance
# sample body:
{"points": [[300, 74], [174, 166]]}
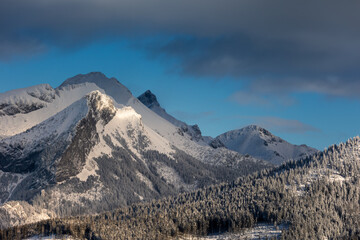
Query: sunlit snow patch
{"points": [[260, 231]]}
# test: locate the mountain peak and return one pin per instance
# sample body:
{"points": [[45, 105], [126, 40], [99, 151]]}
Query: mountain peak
{"points": [[253, 127], [149, 99], [258, 129], [95, 77], [111, 86], [262, 144], [101, 105]]}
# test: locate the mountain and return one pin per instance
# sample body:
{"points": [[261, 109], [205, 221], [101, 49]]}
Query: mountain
{"points": [[90, 146], [260, 143], [316, 197], [251, 140], [150, 100]]}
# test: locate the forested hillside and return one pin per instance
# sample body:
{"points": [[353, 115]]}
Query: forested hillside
{"points": [[317, 196]]}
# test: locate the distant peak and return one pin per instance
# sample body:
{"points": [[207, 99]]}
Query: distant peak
{"points": [[256, 128], [94, 77], [149, 99], [90, 74], [253, 127], [95, 74]]}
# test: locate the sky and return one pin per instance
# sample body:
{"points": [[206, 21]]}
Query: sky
{"points": [[289, 66]]}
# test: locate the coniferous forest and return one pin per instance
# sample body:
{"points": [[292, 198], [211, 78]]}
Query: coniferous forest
{"points": [[318, 197]]}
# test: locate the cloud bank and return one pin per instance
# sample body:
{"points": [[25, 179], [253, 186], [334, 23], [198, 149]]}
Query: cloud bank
{"points": [[285, 125], [273, 46]]}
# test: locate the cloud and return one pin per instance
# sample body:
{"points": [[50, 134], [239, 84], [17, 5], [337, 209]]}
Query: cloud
{"points": [[187, 116], [284, 125], [278, 46], [265, 100], [247, 98]]}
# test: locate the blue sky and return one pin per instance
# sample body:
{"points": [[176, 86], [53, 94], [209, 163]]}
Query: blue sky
{"points": [[296, 74]]}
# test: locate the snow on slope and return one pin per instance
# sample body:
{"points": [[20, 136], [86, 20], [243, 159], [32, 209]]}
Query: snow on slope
{"points": [[9, 181], [122, 97], [125, 127], [111, 86], [261, 231], [150, 100], [20, 122], [261, 144], [77, 87], [19, 212], [26, 99], [127, 160], [26, 159], [52, 237], [84, 146], [36, 137], [184, 142]]}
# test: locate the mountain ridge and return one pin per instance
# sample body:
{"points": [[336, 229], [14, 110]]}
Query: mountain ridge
{"points": [[262, 144], [249, 140], [150, 100], [87, 151]]}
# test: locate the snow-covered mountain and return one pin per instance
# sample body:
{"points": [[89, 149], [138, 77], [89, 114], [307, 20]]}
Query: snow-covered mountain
{"points": [[91, 146], [26, 100], [260, 143], [251, 140], [149, 99]]}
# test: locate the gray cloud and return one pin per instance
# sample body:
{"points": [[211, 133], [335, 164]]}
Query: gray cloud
{"points": [[265, 100], [277, 46], [285, 125], [188, 116]]}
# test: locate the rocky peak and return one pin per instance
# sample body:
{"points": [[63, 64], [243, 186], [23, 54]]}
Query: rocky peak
{"points": [[101, 106], [149, 99]]}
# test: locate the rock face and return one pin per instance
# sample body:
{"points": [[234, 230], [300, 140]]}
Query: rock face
{"points": [[101, 109], [87, 151], [149, 99], [216, 143], [260, 143]]}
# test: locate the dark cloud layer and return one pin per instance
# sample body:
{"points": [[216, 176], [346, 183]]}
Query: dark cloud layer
{"points": [[273, 46]]}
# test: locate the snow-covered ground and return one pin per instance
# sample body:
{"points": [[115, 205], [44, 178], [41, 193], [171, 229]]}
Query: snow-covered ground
{"points": [[20, 212], [52, 237], [260, 231], [330, 175]]}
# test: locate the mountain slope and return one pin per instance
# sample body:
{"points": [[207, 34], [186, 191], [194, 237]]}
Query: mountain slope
{"points": [[26, 100], [150, 100], [315, 198], [77, 87], [96, 155], [12, 124], [251, 140], [261, 144]]}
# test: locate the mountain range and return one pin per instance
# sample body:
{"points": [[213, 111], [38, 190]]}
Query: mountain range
{"points": [[316, 197], [90, 146], [251, 140]]}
